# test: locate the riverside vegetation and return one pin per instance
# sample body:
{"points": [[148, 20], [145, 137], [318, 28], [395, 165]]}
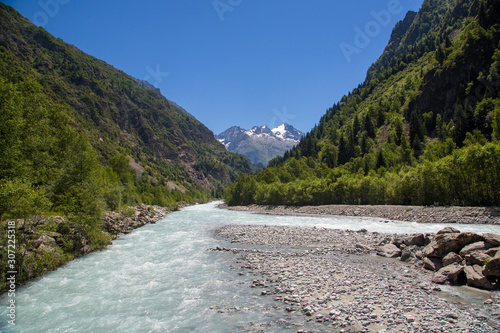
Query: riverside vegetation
{"points": [[79, 137], [422, 129]]}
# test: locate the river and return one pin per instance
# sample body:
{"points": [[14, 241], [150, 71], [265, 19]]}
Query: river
{"points": [[161, 278]]}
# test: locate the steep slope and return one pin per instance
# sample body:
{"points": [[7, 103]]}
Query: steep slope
{"points": [[260, 144], [118, 113], [423, 128], [78, 137]]}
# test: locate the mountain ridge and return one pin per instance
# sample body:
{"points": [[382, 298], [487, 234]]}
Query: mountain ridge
{"points": [[118, 113], [260, 144], [422, 129]]}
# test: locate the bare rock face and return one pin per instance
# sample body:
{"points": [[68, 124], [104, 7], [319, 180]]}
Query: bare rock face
{"points": [[450, 242], [475, 277], [448, 274]]}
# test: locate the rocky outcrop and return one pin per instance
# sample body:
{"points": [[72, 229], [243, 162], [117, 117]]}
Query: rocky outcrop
{"points": [[455, 257], [450, 242], [123, 222]]}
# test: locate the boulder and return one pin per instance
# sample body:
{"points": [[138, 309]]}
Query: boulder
{"points": [[493, 251], [492, 239], [492, 267], [448, 230], [475, 277], [477, 258], [389, 251], [398, 241], [448, 274], [48, 240], [432, 264], [451, 258], [52, 234], [417, 239], [44, 249], [450, 242], [478, 246], [408, 252]]}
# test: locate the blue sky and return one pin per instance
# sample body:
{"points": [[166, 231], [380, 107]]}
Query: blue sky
{"points": [[232, 62]]}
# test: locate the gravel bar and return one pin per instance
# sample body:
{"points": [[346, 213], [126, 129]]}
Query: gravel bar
{"points": [[421, 214], [332, 278]]}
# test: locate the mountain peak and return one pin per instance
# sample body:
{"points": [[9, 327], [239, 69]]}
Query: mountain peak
{"points": [[260, 144]]}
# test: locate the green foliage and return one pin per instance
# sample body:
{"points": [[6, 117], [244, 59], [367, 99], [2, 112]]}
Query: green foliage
{"points": [[75, 133], [422, 129], [19, 199]]}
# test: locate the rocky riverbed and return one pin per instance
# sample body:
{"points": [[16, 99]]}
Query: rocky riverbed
{"points": [[334, 279], [421, 214]]}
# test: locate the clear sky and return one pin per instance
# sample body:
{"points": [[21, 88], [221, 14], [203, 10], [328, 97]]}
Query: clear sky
{"points": [[232, 62]]}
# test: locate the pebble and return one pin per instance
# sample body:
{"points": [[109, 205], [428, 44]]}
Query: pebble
{"points": [[322, 274]]}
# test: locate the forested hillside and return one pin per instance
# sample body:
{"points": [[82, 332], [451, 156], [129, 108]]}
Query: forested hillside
{"points": [[75, 97], [78, 137], [423, 128]]}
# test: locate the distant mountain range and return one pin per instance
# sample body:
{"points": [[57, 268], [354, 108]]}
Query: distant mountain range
{"points": [[260, 144]]}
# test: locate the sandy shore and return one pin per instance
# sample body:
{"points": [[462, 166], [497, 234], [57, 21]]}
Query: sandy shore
{"points": [[333, 279], [421, 214]]}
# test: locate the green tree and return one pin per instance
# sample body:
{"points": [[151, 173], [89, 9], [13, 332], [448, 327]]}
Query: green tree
{"points": [[79, 194]]}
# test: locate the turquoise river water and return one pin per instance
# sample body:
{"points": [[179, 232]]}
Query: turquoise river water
{"points": [[161, 278]]}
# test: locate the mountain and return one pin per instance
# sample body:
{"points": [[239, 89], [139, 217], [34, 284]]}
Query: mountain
{"points": [[116, 112], [77, 137], [260, 144], [422, 129]]}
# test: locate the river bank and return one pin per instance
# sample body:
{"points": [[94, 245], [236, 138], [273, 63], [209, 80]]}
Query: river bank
{"points": [[420, 214], [47, 243], [333, 278]]}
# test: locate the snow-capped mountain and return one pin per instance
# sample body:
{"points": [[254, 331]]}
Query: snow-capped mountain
{"points": [[260, 144]]}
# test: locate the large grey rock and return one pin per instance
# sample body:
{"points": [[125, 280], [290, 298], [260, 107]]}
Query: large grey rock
{"points": [[475, 277], [477, 258], [417, 239], [408, 252], [492, 268], [452, 258], [492, 239], [389, 251], [448, 274], [493, 251], [432, 264], [478, 246], [450, 242], [448, 230]]}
